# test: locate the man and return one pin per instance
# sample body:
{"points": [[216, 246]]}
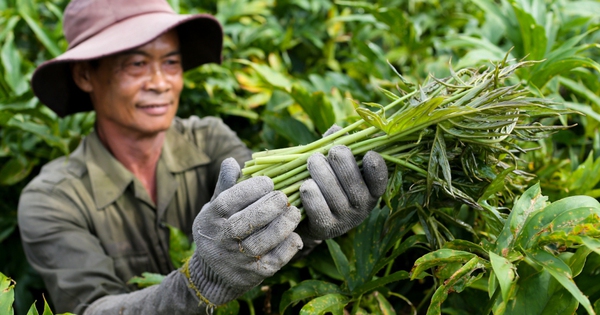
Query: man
{"points": [[91, 221]]}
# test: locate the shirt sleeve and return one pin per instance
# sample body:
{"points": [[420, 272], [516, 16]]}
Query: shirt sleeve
{"points": [[80, 277], [60, 246]]}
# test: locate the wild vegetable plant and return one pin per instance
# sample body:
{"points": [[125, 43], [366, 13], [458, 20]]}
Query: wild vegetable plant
{"points": [[437, 136], [527, 268], [7, 296]]}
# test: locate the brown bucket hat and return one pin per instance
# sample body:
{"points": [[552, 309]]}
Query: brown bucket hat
{"points": [[98, 28]]}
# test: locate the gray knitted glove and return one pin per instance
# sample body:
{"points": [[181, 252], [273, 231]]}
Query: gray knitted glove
{"points": [[242, 236], [337, 198]]}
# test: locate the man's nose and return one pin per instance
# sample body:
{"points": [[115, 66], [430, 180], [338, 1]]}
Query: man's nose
{"points": [[157, 80]]}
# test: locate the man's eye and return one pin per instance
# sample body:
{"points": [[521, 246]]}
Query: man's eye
{"points": [[172, 66], [136, 67]]}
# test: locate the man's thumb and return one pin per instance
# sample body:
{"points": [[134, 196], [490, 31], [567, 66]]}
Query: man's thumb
{"points": [[228, 176]]}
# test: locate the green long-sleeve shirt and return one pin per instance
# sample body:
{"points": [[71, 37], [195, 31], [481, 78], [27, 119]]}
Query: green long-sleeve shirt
{"points": [[88, 225]]}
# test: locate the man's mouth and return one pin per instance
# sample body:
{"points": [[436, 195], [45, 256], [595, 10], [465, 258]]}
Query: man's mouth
{"points": [[154, 109]]}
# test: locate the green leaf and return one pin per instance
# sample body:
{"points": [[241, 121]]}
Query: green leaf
{"points": [[439, 257], [368, 246], [421, 114], [562, 302], [562, 273], [290, 128], [407, 244], [496, 185], [341, 262], [272, 77], [7, 295], [533, 35], [11, 61], [379, 282], [459, 278], [592, 244], [580, 89], [493, 9], [316, 106], [15, 170], [8, 27], [394, 186], [372, 118], [41, 34], [384, 305], [147, 279], [47, 310], [180, 248], [577, 261], [42, 131], [306, 289], [505, 272], [466, 246], [531, 201], [539, 293], [33, 310], [231, 308], [438, 158], [322, 262], [388, 93], [571, 218], [540, 219], [333, 303], [564, 66]]}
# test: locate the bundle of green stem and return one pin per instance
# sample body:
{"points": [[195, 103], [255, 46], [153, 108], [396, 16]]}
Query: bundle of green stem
{"points": [[440, 137]]}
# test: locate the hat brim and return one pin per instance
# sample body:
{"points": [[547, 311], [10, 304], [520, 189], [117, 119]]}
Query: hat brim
{"points": [[200, 38]]}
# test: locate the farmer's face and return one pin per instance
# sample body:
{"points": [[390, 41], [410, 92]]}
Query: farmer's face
{"points": [[137, 91]]}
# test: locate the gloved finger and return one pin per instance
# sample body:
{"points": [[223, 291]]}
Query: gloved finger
{"points": [[228, 176], [375, 173], [267, 238], [240, 196], [322, 173], [314, 203], [280, 255], [346, 170], [256, 216], [333, 129]]}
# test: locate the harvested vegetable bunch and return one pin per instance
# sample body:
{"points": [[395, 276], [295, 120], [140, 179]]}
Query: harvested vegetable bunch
{"points": [[453, 135]]}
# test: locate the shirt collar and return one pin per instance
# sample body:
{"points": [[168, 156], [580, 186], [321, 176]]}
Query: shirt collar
{"points": [[180, 153], [109, 178]]}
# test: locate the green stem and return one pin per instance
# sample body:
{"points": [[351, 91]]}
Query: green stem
{"points": [[291, 189], [276, 159], [269, 152], [278, 179], [405, 164], [294, 199], [279, 184], [250, 170]]}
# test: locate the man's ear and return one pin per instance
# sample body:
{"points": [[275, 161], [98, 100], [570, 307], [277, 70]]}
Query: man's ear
{"points": [[81, 75]]}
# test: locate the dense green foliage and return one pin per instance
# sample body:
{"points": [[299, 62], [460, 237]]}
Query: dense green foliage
{"points": [[294, 67]]}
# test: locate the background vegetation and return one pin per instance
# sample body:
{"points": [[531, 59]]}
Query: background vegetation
{"points": [[292, 68]]}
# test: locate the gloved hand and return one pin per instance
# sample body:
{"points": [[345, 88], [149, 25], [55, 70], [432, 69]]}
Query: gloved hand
{"points": [[243, 235], [338, 198]]}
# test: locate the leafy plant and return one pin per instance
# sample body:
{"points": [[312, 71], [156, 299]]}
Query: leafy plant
{"points": [[438, 137], [290, 70], [7, 297]]}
